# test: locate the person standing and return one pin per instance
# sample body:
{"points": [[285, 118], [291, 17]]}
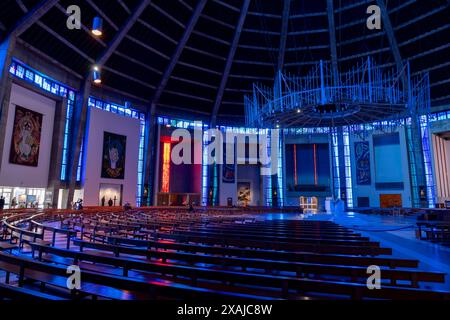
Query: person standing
{"points": [[110, 202], [2, 203], [13, 203], [103, 201]]}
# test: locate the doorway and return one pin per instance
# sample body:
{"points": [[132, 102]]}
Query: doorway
{"points": [[390, 200], [110, 194], [309, 204]]}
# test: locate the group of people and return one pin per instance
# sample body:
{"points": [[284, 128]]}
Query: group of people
{"points": [[78, 205], [110, 201], [3, 202]]}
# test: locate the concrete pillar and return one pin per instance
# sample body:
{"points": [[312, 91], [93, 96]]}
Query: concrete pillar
{"points": [[54, 179], [154, 176], [342, 176], [150, 149], [6, 50], [4, 109], [78, 130]]}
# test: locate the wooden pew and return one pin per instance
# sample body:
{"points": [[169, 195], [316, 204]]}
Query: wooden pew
{"points": [[289, 256], [285, 284], [312, 238], [93, 231], [435, 231], [242, 243], [69, 234], [246, 229], [15, 293], [209, 235], [306, 232], [109, 286], [300, 238], [301, 269], [235, 260]]}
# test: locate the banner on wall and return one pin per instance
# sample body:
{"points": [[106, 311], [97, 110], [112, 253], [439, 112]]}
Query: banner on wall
{"points": [[26, 137], [113, 159], [244, 195], [362, 160], [228, 175], [228, 170], [422, 193], [110, 194]]}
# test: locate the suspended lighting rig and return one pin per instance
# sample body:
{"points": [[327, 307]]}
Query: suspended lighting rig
{"points": [[367, 93]]}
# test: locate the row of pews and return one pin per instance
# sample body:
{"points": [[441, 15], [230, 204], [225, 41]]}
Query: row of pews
{"points": [[434, 226], [173, 254], [394, 211], [405, 212]]}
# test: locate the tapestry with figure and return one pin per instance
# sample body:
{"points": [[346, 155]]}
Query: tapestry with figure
{"points": [[113, 159], [244, 195], [26, 137], [362, 157]]}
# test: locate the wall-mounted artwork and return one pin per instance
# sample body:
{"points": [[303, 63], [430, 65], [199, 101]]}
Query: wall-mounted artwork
{"points": [[26, 137], [228, 173], [113, 159], [362, 157], [110, 194], [307, 167], [244, 195], [228, 169]]}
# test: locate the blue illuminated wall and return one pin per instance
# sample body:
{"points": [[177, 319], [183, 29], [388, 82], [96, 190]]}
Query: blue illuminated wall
{"points": [[335, 165], [428, 160], [388, 156], [347, 168], [205, 170], [311, 164], [389, 167]]}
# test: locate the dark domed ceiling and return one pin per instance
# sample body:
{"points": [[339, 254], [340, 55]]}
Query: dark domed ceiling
{"points": [[218, 65]]}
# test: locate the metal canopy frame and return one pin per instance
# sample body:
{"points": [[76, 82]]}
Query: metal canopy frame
{"points": [[367, 93]]}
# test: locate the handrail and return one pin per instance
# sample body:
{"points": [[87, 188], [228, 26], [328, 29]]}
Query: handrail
{"points": [[10, 223]]}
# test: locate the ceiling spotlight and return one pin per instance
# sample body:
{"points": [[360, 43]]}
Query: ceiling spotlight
{"points": [[96, 75], [97, 26]]}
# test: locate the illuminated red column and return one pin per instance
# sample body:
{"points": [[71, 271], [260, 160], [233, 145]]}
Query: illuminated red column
{"points": [[166, 167]]}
